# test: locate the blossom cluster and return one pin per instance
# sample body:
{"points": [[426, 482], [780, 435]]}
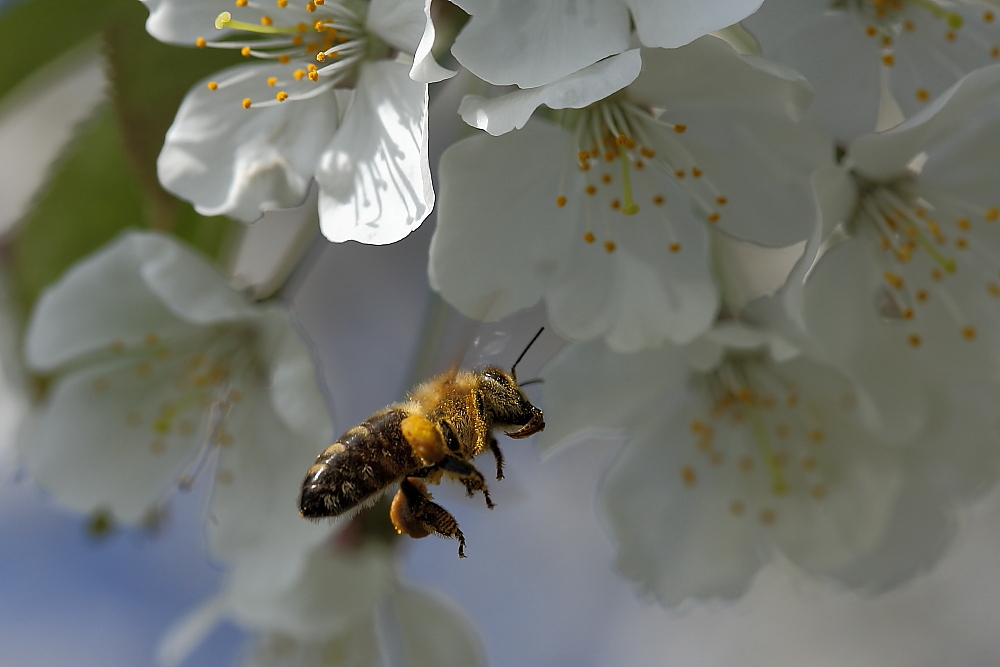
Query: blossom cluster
{"points": [[752, 220]]}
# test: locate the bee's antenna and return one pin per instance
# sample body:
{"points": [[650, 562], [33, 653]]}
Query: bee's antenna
{"points": [[527, 347], [531, 381]]}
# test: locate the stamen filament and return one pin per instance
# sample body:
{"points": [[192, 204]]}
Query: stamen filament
{"points": [[226, 20], [629, 207]]}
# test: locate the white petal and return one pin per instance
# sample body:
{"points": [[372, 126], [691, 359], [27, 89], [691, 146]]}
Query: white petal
{"points": [[183, 21], [887, 154], [401, 23], [374, 178], [574, 91], [673, 24], [240, 162], [534, 42], [494, 197], [436, 632], [97, 446], [79, 314], [425, 69]]}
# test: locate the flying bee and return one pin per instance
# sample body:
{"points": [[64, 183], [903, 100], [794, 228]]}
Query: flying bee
{"points": [[443, 424]]}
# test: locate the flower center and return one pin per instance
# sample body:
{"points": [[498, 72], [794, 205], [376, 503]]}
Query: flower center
{"points": [[922, 238], [617, 140], [332, 34], [761, 434]]}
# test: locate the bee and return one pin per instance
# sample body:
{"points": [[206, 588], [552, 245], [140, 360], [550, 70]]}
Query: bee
{"points": [[435, 433]]}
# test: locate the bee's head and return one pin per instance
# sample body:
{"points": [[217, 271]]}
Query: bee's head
{"points": [[506, 404]]}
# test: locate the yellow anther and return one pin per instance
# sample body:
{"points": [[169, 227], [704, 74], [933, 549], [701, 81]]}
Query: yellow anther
{"points": [[674, 247], [266, 21], [271, 81], [281, 3], [310, 6], [991, 214], [212, 85], [871, 31], [610, 246], [909, 26], [609, 156], [590, 189], [809, 463], [246, 102], [561, 201], [639, 164], [767, 517], [201, 42], [281, 96], [314, 76], [713, 216], [298, 74], [679, 129], [817, 435], [284, 59], [721, 201], [963, 224], [318, 2], [969, 333], [961, 243], [922, 94], [907, 313], [936, 274], [888, 60], [648, 153], [589, 237], [688, 476], [746, 464], [737, 508], [319, 25], [605, 178], [886, 41], [679, 173], [914, 340], [696, 172], [995, 52], [993, 289], [893, 279], [320, 57], [245, 52], [616, 204], [241, 3], [988, 17], [658, 200], [621, 140], [698, 426], [583, 156]]}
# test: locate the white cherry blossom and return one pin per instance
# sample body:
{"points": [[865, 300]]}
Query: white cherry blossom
{"points": [[734, 455], [846, 48], [606, 215], [328, 97], [533, 42], [157, 375]]}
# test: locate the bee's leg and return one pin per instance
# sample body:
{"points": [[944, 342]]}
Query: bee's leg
{"points": [[469, 475], [415, 514], [497, 454]]}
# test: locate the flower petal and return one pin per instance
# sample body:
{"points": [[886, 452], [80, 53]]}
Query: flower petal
{"points": [[534, 42], [425, 69], [574, 91], [374, 177], [241, 162], [673, 24]]}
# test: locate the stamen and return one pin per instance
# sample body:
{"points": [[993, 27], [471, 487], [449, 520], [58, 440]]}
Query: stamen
{"points": [[226, 20]]}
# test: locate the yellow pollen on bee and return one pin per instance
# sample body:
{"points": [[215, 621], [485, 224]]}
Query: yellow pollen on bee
{"points": [[561, 201], [991, 214], [914, 340], [212, 85], [713, 216], [272, 81], [893, 279], [201, 42], [922, 94], [590, 189], [610, 246], [589, 237], [746, 464], [679, 128], [888, 60], [767, 517], [246, 102], [674, 247], [737, 508], [245, 52], [969, 333], [688, 476]]}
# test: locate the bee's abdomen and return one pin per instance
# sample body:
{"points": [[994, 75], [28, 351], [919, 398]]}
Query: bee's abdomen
{"points": [[358, 467]]}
